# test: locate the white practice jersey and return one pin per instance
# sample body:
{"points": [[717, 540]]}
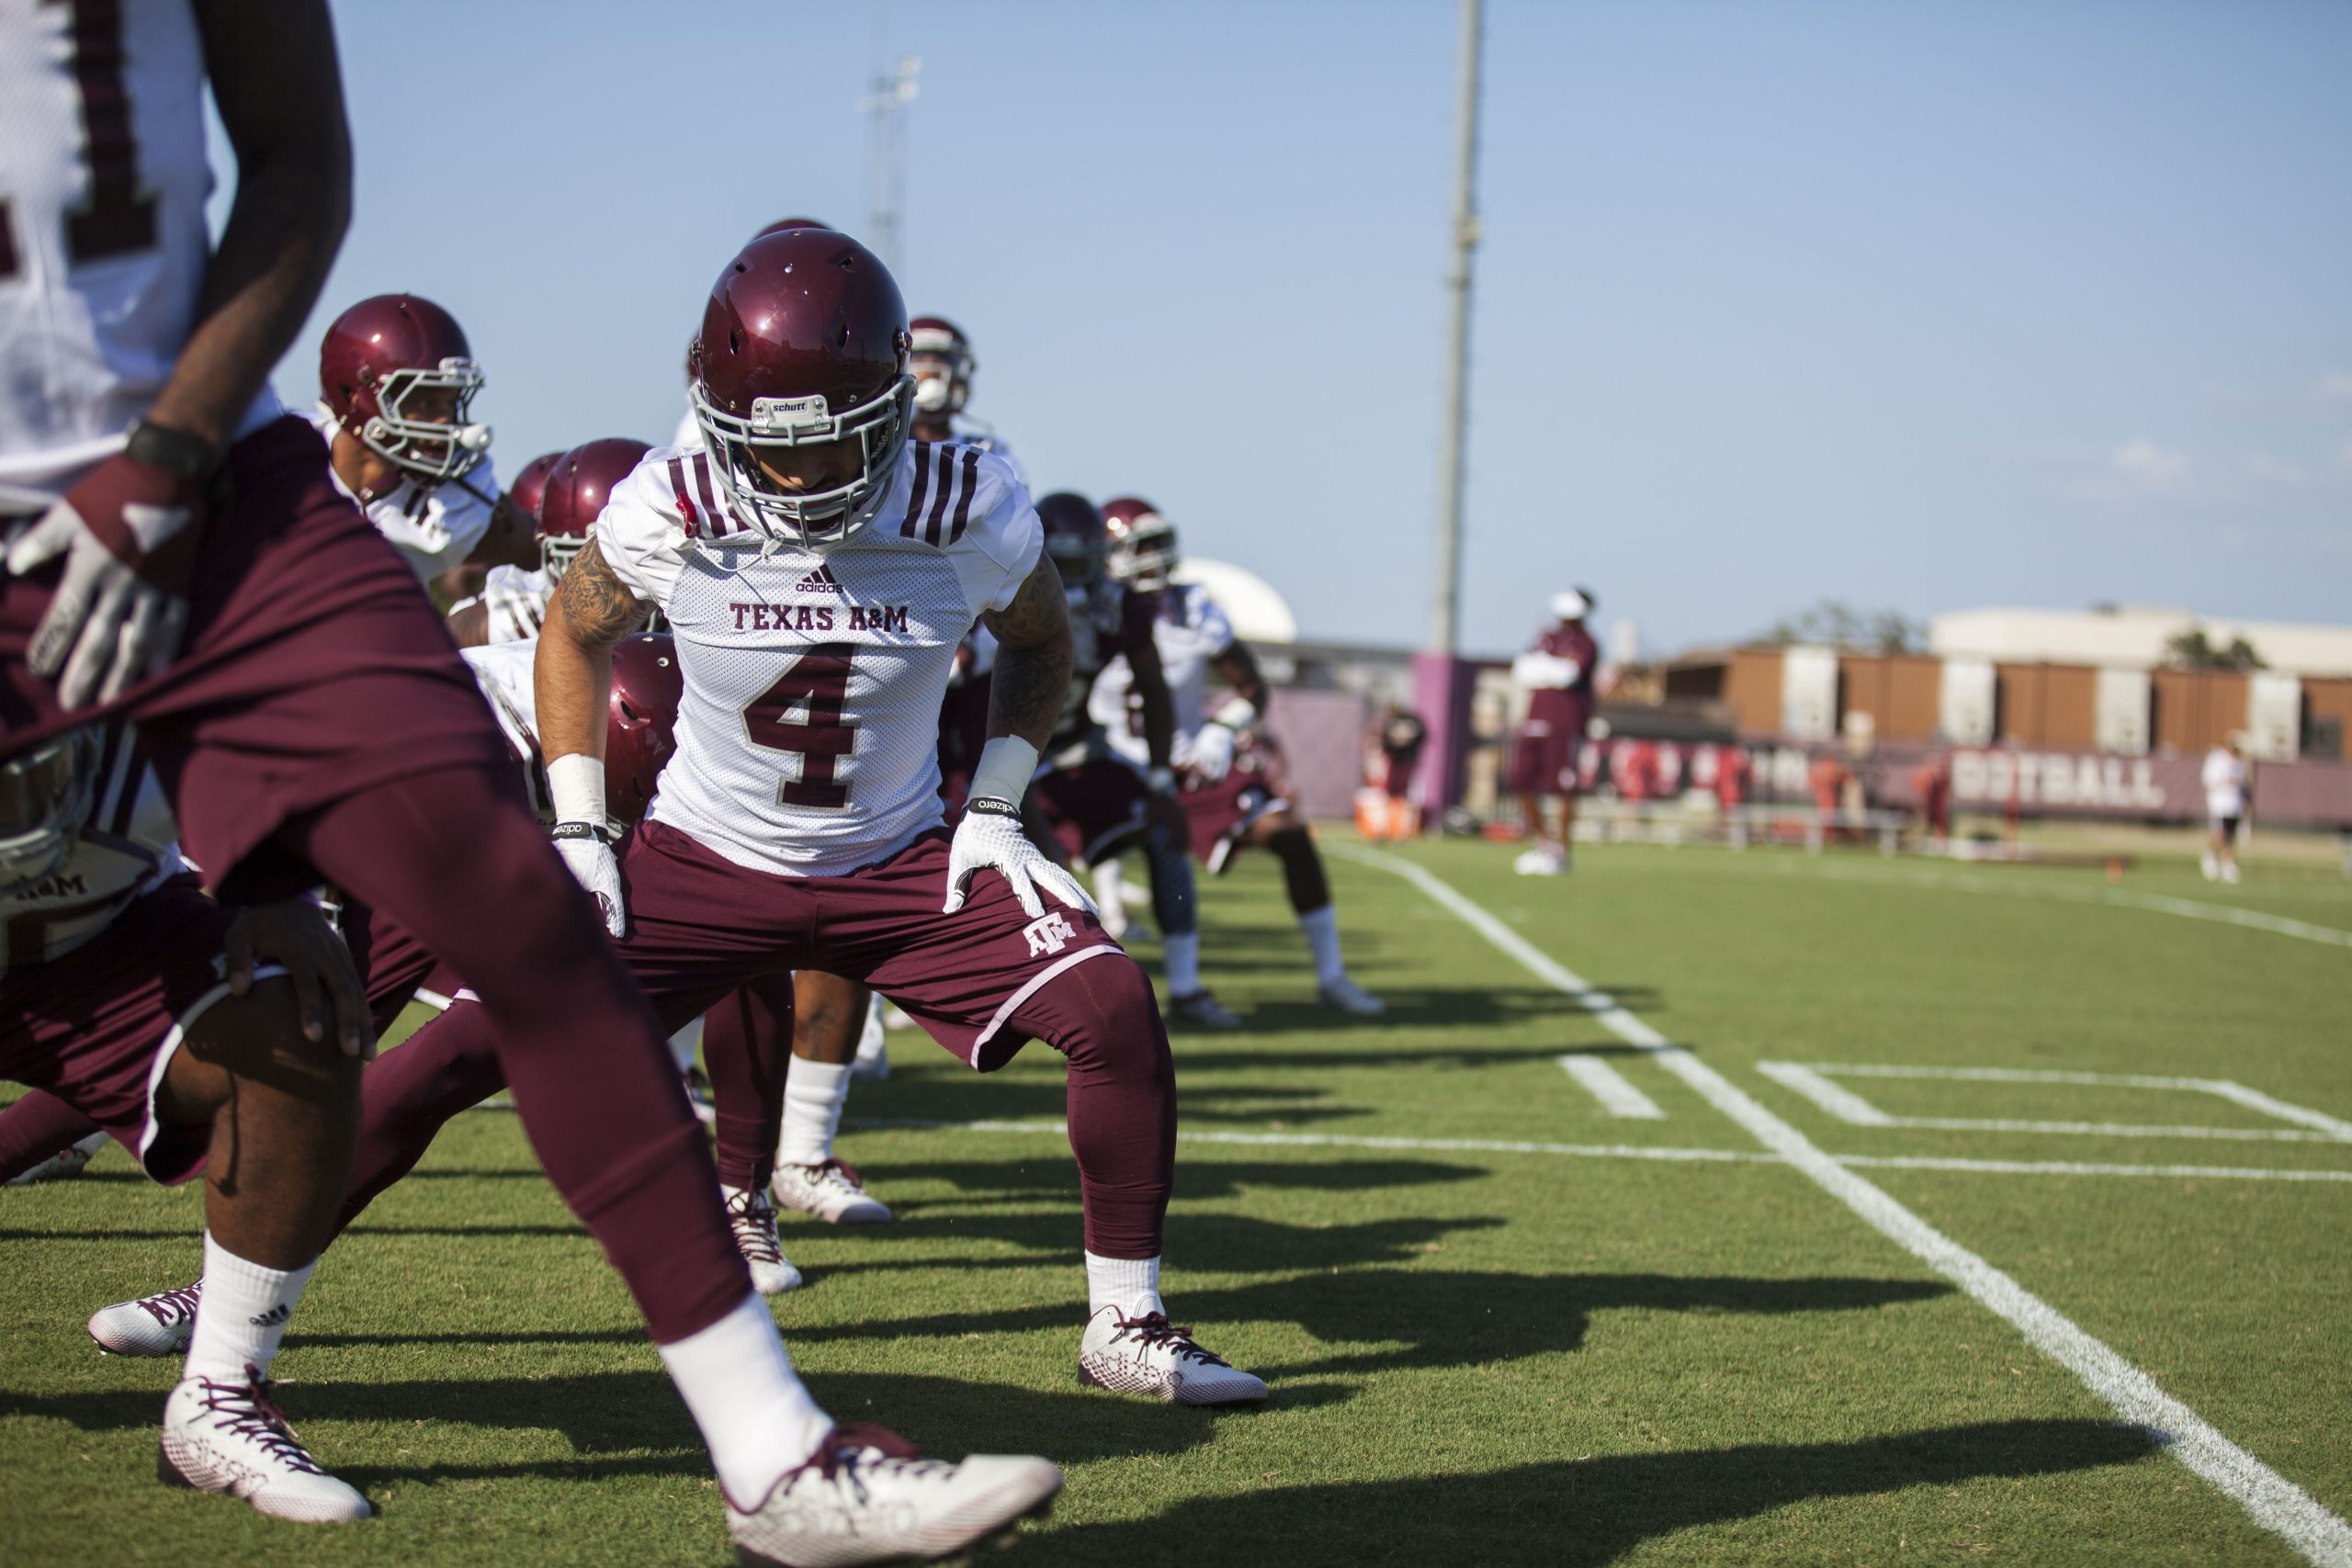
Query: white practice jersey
{"points": [[128, 845], [103, 243], [515, 602], [1190, 632], [507, 674], [436, 527], [809, 736]]}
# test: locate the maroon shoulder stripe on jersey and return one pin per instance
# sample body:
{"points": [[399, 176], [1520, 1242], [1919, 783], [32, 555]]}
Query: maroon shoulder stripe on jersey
{"points": [[685, 502], [931, 524], [922, 485], [964, 501], [711, 505]]}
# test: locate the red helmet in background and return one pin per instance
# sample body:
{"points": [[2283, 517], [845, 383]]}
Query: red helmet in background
{"points": [[1143, 544], [781, 224], [803, 344], [531, 485], [584, 479], [1075, 537], [641, 724], [943, 365], [378, 357]]}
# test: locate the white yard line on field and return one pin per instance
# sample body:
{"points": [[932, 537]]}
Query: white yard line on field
{"points": [[1813, 1080], [2071, 1167], [2270, 1498], [1839, 1101], [1606, 1083]]}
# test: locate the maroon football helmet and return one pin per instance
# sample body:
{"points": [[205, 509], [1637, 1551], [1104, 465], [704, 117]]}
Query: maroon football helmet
{"points": [[640, 727], [576, 492], [531, 485], [803, 344], [943, 365], [1143, 544], [1075, 537], [378, 357], [781, 224], [46, 793]]}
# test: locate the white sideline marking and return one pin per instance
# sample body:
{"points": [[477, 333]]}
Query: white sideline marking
{"points": [[1616, 1093], [1811, 1079], [1842, 1104], [2270, 1498], [2159, 903], [1619, 1151]]}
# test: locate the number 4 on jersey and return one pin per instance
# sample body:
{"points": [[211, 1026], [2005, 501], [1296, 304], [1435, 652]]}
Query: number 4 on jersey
{"points": [[818, 682]]}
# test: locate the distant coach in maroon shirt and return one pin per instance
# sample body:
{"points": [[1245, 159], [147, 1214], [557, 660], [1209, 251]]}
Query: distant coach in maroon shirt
{"points": [[1557, 672]]}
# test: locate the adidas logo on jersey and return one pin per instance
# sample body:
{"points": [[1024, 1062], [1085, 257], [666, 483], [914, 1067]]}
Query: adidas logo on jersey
{"points": [[820, 581]]}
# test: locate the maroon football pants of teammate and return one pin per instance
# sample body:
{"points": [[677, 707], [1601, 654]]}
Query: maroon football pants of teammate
{"points": [[983, 981], [319, 724]]}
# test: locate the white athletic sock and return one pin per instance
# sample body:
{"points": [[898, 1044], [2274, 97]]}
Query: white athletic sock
{"points": [[814, 1093], [1322, 928], [1131, 1284], [243, 1315], [754, 1412], [1111, 884], [1183, 955], [685, 1044]]}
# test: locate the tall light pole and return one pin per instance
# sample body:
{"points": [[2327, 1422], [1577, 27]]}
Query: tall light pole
{"points": [[1445, 587], [1441, 681], [887, 104]]}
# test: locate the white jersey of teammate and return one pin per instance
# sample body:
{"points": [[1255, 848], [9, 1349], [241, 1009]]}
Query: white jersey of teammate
{"points": [[515, 602], [128, 846], [103, 245], [1190, 632], [436, 527], [808, 741]]}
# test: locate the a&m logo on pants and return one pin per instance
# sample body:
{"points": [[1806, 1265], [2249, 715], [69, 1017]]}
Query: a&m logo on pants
{"points": [[1047, 933]]}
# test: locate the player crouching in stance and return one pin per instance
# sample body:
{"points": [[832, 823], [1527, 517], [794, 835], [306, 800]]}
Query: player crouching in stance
{"points": [[168, 1020], [1228, 803], [817, 570]]}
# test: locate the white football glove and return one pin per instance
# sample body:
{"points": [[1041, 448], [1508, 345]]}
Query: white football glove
{"points": [[989, 838], [588, 854], [1211, 755]]}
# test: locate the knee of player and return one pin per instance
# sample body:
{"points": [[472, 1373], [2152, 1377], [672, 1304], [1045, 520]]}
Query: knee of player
{"points": [[257, 1038], [1108, 1016], [1291, 840]]}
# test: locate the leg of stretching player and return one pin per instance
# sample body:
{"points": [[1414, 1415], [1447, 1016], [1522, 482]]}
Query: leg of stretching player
{"points": [[828, 1014], [1176, 907], [746, 1043], [38, 1137], [1286, 837]]}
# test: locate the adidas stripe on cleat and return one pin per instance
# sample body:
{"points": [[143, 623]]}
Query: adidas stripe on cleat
{"points": [[1154, 1357], [229, 1436], [159, 1325]]}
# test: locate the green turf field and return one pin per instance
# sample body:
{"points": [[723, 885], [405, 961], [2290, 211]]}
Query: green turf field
{"points": [[1631, 1337]]}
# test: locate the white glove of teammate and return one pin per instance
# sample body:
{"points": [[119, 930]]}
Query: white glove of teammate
{"points": [[590, 857], [989, 838], [1211, 754]]}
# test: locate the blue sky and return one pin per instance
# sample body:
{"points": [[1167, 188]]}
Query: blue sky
{"points": [[1921, 307]]}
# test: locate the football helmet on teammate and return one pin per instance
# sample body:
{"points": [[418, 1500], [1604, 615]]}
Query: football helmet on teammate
{"points": [[45, 795], [1143, 544], [800, 385], [397, 372], [943, 365], [1075, 537], [575, 493]]}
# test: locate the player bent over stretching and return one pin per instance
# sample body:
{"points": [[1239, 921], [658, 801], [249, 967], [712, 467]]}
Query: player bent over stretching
{"points": [[817, 570], [178, 555]]}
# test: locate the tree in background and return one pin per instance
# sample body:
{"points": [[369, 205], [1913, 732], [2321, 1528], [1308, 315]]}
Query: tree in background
{"points": [[1839, 624], [2192, 649]]}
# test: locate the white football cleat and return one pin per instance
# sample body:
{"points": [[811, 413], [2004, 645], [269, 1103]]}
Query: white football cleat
{"points": [[228, 1437], [1543, 859], [753, 1219], [159, 1325], [832, 1191], [1201, 1010], [66, 1162], [1152, 1356], [867, 1495], [1344, 995]]}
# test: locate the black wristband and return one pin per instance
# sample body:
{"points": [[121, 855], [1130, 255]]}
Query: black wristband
{"points": [[173, 451], [595, 830], [990, 806]]}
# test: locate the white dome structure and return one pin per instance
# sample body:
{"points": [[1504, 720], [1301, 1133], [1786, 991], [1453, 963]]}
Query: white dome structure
{"points": [[1258, 614]]}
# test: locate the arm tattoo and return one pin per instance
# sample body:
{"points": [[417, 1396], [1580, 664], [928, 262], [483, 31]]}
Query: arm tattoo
{"points": [[599, 610], [1034, 658]]}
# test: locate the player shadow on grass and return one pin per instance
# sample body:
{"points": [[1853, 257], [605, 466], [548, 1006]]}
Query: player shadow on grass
{"points": [[1569, 1514], [1041, 1096], [1015, 1180], [632, 1423]]}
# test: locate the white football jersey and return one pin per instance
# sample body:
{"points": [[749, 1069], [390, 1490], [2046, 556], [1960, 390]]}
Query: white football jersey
{"points": [[436, 527], [1190, 632], [103, 243], [127, 846], [809, 736], [515, 602]]}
